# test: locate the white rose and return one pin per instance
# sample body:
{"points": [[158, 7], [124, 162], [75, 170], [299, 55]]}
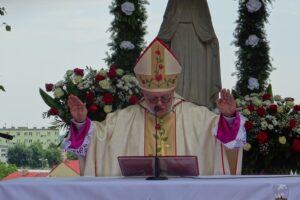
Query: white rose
{"points": [[105, 84], [253, 5], [107, 108], [127, 8], [270, 126], [277, 98], [127, 45], [282, 140], [77, 79], [247, 147], [70, 72], [253, 83], [58, 92], [102, 72], [264, 124], [59, 84], [119, 72], [252, 40]]}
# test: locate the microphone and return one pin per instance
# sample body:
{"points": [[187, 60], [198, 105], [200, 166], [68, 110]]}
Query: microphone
{"points": [[156, 160]]}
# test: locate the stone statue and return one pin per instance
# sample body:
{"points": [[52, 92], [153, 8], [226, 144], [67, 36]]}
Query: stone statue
{"points": [[187, 29]]}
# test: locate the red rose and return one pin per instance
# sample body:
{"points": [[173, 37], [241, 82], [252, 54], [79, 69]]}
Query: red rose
{"points": [[296, 145], [160, 66], [158, 77], [297, 108], [90, 96], [93, 108], [261, 111], [49, 87], [108, 98], [112, 73], [292, 123], [53, 111], [157, 52], [250, 108], [99, 78], [266, 97], [262, 137], [133, 99], [273, 108], [157, 127], [248, 125], [79, 72]]}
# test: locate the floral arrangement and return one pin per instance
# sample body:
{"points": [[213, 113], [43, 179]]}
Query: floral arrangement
{"points": [[273, 134], [102, 91]]}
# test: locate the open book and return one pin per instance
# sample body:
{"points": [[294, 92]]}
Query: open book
{"points": [[169, 165]]}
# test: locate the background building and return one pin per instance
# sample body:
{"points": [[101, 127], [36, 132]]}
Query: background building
{"points": [[27, 136]]}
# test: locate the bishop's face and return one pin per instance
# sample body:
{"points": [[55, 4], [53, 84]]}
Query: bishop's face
{"points": [[161, 100]]}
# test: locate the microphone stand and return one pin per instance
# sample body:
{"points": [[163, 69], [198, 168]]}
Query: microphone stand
{"points": [[156, 159]]}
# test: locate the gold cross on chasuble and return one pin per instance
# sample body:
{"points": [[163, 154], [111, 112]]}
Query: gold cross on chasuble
{"points": [[166, 135]]}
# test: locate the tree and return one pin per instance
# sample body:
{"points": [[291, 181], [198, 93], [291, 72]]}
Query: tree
{"points": [[127, 32], [37, 155], [53, 155], [6, 169], [3, 12], [19, 155], [253, 64]]}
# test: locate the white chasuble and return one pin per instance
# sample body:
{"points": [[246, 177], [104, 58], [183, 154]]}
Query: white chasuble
{"points": [[186, 130]]}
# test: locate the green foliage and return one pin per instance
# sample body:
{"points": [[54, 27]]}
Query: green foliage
{"points": [[53, 155], [252, 61], [19, 155], [2, 88], [126, 28], [6, 169], [34, 156], [71, 156]]}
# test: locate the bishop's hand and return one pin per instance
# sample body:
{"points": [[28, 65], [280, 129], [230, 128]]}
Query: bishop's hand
{"points": [[77, 108], [226, 103]]}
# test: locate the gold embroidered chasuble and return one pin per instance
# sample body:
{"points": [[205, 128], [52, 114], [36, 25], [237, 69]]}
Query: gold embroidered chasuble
{"points": [[186, 130]]}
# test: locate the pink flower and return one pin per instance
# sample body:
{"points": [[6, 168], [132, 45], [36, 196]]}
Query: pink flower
{"points": [[248, 125], [292, 123], [133, 99], [53, 111], [296, 145], [158, 77], [79, 72], [49, 87], [108, 98], [273, 108], [262, 137], [93, 108], [261, 111], [112, 73], [99, 78], [90, 96]]}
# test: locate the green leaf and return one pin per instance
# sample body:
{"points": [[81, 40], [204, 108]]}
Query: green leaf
{"points": [[2, 88], [49, 100]]}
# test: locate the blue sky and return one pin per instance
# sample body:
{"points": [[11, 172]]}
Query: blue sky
{"points": [[51, 36]]}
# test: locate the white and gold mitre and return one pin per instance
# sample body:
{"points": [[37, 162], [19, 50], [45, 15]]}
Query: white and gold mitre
{"points": [[157, 69]]}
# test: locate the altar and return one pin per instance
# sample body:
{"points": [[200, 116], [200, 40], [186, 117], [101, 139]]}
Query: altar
{"points": [[112, 188]]}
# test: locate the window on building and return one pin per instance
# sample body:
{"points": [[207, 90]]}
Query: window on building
{"points": [[30, 133], [30, 140], [25, 133]]}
